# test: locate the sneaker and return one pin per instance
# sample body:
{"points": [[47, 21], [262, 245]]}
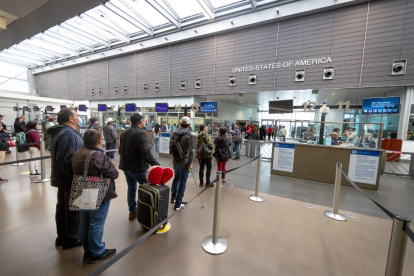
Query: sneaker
{"points": [[87, 256], [235, 158], [8, 152], [2, 180], [224, 181], [67, 245], [108, 253], [182, 206], [58, 241], [132, 215], [33, 174], [201, 184], [172, 200], [208, 184]]}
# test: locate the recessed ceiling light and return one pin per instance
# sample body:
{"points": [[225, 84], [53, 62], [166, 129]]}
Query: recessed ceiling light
{"points": [[333, 93], [232, 97], [241, 101]]}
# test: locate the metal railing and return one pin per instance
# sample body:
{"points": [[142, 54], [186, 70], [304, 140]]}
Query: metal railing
{"points": [[398, 163]]}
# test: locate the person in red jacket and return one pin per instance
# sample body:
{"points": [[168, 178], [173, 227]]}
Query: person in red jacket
{"points": [[32, 136]]}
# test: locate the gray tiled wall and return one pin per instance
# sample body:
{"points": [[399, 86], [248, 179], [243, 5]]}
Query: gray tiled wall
{"points": [[362, 41]]}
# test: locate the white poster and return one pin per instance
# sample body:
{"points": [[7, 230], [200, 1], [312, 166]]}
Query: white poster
{"points": [[165, 143], [283, 157], [363, 166]]}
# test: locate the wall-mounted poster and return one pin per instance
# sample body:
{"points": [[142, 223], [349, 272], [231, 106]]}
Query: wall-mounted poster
{"points": [[165, 143], [363, 166], [283, 157]]}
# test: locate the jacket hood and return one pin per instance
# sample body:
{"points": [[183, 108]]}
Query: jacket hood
{"points": [[181, 132], [54, 130], [203, 133]]}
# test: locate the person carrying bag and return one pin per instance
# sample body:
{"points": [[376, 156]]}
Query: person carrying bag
{"points": [[93, 187], [204, 153]]}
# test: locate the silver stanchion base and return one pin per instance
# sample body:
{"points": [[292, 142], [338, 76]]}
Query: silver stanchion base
{"points": [[215, 249], [18, 164], [331, 215], [256, 198], [42, 180]]}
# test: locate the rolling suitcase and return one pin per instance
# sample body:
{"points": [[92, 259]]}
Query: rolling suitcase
{"points": [[152, 205]]}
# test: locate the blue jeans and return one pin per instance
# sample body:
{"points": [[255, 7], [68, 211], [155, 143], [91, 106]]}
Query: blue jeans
{"points": [[180, 180], [92, 228], [237, 146], [110, 146], [132, 178], [156, 141]]}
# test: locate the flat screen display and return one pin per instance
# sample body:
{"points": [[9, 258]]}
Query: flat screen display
{"points": [[36, 108], [62, 107], [82, 107], [49, 108], [381, 105], [102, 107], [161, 107], [208, 107], [285, 106], [25, 108], [130, 107]]}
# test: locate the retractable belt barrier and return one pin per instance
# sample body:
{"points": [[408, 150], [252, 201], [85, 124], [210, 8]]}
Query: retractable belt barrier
{"points": [[121, 254]]}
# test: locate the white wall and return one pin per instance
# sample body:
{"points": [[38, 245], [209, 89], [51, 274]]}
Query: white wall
{"points": [[232, 112]]}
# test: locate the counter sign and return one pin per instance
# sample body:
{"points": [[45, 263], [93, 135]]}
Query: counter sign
{"points": [[283, 157], [363, 166]]}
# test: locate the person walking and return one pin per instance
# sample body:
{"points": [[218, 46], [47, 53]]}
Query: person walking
{"points": [[136, 157], [156, 137], [263, 132], [65, 139], [110, 136], [182, 148], [222, 151], [92, 223], [237, 140], [204, 139], [164, 127], [283, 133], [4, 147], [32, 136], [269, 133]]}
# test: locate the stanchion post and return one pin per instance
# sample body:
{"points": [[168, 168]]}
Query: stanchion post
{"points": [[215, 244], [153, 149], [17, 158], [335, 215], [256, 197], [42, 165], [398, 244]]}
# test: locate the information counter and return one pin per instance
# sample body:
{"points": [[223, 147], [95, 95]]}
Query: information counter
{"points": [[318, 163]]}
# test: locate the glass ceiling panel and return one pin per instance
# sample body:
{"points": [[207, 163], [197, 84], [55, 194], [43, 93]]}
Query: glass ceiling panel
{"points": [[80, 24], [145, 10], [221, 3], [185, 8], [11, 70], [58, 42], [3, 79], [72, 35], [15, 85], [47, 46], [121, 24]]}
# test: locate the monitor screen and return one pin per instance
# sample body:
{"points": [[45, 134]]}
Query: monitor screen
{"points": [[36, 108], [83, 107], [208, 107], [49, 108], [161, 107], [285, 106], [102, 107], [130, 107], [63, 107], [25, 108], [381, 105]]}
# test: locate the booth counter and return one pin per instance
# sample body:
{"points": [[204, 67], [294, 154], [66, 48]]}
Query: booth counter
{"points": [[318, 163]]}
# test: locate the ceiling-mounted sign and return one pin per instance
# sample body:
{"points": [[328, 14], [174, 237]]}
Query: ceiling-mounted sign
{"points": [[286, 64]]}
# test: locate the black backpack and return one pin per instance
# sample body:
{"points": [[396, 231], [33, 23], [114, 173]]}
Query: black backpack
{"points": [[176, 148], [222, 152]]}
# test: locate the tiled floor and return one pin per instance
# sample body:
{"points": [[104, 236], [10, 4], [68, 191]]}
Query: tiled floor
{"points": [[278, 237]]}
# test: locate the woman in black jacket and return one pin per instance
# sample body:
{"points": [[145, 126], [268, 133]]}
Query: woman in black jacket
{"points": [[92, 222], [19, 126], [222, 152], [4, 147]]}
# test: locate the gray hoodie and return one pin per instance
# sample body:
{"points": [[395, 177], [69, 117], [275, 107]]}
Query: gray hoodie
{"points": [[186, 140]]}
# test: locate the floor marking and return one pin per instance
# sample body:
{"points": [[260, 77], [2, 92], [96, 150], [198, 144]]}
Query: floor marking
{"points": [[28, 172]]}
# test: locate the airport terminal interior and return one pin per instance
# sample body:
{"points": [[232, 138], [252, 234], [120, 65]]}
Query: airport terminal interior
{"points": [[320, 93]]}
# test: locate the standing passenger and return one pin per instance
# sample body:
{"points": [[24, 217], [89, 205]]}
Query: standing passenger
{"points": [[110, 136], [204, 137], [136, 157], [222, 151], [44, 131], [269, 132], [65, 139], [4, 147], [156, 137], [237, 139], [32, 136]]}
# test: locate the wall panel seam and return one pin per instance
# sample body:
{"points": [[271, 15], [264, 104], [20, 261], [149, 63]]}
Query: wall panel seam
{"points": [[363, 50]]}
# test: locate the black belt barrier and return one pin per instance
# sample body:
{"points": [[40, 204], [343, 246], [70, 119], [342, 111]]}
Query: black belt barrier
{"points": [[121, 254], [25, 160]]}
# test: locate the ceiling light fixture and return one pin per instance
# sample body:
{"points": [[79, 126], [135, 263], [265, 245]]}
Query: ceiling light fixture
{"points": [[206, 9]]}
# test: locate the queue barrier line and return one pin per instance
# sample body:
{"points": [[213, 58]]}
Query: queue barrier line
{"points": [[25, 160], [121, 254]]}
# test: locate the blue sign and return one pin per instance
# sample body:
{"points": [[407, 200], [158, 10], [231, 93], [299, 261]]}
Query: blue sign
{"points": [[285, 146], [365, 152], [389, 105], [161, 107], [210, 107], [165, 135]]}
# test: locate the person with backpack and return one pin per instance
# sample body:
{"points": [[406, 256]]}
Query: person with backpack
{"points": [[110, 136], [32, 136], [4, 147], [204, 153], [182, 149], [237, 140], [136, 157], [156, 137], [222, 152], [19, 126]]}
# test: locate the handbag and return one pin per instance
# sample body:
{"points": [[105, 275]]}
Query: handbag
{"points": [[204, 150], [87, 192], [11, 144]]}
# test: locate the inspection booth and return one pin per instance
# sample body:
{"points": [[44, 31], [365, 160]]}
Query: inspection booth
{"points": [[318, 163]]}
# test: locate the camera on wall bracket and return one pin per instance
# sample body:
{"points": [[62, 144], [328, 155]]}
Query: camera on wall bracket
{"points": [[183, 85], [125, 89], [116, 90], [252, 79], [232, 81], [198, 83], [157, 87], [100, 91], [300, 75], [328, 73], [145, 88], [93, 92], [399, 67]]}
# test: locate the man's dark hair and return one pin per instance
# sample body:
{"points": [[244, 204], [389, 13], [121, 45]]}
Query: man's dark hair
{"points": [[336, 129], [184, 125], [64, 115], [135, 119], [31, 125], [91, 137], [92, 120], [222, 131], [201, 127]]}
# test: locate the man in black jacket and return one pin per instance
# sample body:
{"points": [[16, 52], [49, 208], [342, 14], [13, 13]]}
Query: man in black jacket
{"points": [[136, 157], [65, 140]]}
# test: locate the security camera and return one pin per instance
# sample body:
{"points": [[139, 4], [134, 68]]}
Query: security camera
{"points": [[145, 88], [100, 91], [116, 90], [232, 81], [93, 92], [125, 89], [300, 75], [328, 73], [183, 85], [198, 83], [399, 67], [157, 87], [252, 79]]}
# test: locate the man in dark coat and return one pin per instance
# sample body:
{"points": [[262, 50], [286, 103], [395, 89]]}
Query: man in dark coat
{"points": [[65, 140], [45, 135], [135, 159]]}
